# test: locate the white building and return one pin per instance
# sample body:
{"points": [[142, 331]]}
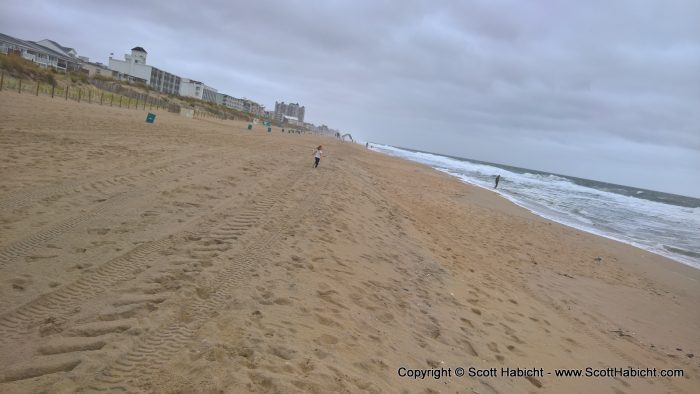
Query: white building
{"points": [[240, 104], [43, 56], [133, 65], [198, 90], [254, 108], [229, 101], [134, 68], [54, 46], [220, 98], [236, 103]]}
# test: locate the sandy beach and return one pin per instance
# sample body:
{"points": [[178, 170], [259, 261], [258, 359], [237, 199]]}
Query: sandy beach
{"points": [[193, 255]]}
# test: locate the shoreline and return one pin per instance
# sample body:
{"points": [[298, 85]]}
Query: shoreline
{"points": [[690, 264], [677, 257], [195, 255], [668, 262]]}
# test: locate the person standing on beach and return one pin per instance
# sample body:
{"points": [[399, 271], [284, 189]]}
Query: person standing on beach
{"points": [[498, 178], [317, 155]]}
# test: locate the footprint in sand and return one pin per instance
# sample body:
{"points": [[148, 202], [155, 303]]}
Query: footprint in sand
{"points": [[307, 365], [326, 339], [466, 321], [20, 284], [282, 301], [387, 318], [39, 257], [282, 352], [98, 231], [327, 321], [468, 347]]}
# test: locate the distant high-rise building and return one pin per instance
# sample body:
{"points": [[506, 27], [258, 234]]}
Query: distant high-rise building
{"points": [[291, 109]]}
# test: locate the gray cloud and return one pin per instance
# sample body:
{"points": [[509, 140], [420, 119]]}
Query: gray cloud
{"points": [[606, 90]]}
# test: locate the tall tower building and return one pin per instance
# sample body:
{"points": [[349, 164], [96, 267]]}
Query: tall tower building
{"points": [[138, 55], [291, 109]]}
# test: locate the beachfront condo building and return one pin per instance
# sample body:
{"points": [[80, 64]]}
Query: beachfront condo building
{"points": [[240, 104], [292, 110], [54, 46], [198, 90], [254, 108], [134, 68], [45, 53], [230, 102]]}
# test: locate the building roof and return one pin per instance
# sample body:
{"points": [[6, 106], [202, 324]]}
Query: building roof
{"points": [[64, 49], [139, 49], [36, 47], [98, 64]]}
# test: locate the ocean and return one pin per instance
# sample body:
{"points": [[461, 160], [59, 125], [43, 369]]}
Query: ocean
{"points": [[662, 223]]}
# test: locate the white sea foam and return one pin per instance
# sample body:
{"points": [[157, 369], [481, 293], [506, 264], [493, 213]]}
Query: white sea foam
{"points": [[651, 225]]}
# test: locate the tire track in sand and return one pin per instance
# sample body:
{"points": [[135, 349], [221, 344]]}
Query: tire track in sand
{"points": [[16, 324], [22, 247], [22, 199], [62, 357], [153, 351]]}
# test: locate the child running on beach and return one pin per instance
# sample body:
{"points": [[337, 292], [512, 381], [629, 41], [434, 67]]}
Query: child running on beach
{"points": [[317, 155]]}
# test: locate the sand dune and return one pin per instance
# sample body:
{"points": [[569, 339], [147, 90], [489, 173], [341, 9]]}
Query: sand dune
{"points": [[196, 256]]}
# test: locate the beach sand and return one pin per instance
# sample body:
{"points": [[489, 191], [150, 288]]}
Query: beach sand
{"points": [[192, 255]]}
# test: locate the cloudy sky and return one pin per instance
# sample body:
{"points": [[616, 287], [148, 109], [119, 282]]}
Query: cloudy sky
{"points": [[608, 90]]}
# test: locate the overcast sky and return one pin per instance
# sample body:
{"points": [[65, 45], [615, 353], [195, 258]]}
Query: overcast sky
{"points": [[608, 90]]}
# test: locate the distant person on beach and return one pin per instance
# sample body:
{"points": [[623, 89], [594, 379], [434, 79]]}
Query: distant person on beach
{"points": [[317, 155], [498, 178], [367, 145]]}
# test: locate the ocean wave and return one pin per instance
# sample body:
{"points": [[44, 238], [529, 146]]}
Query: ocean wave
{"points": [[612, 211]]}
